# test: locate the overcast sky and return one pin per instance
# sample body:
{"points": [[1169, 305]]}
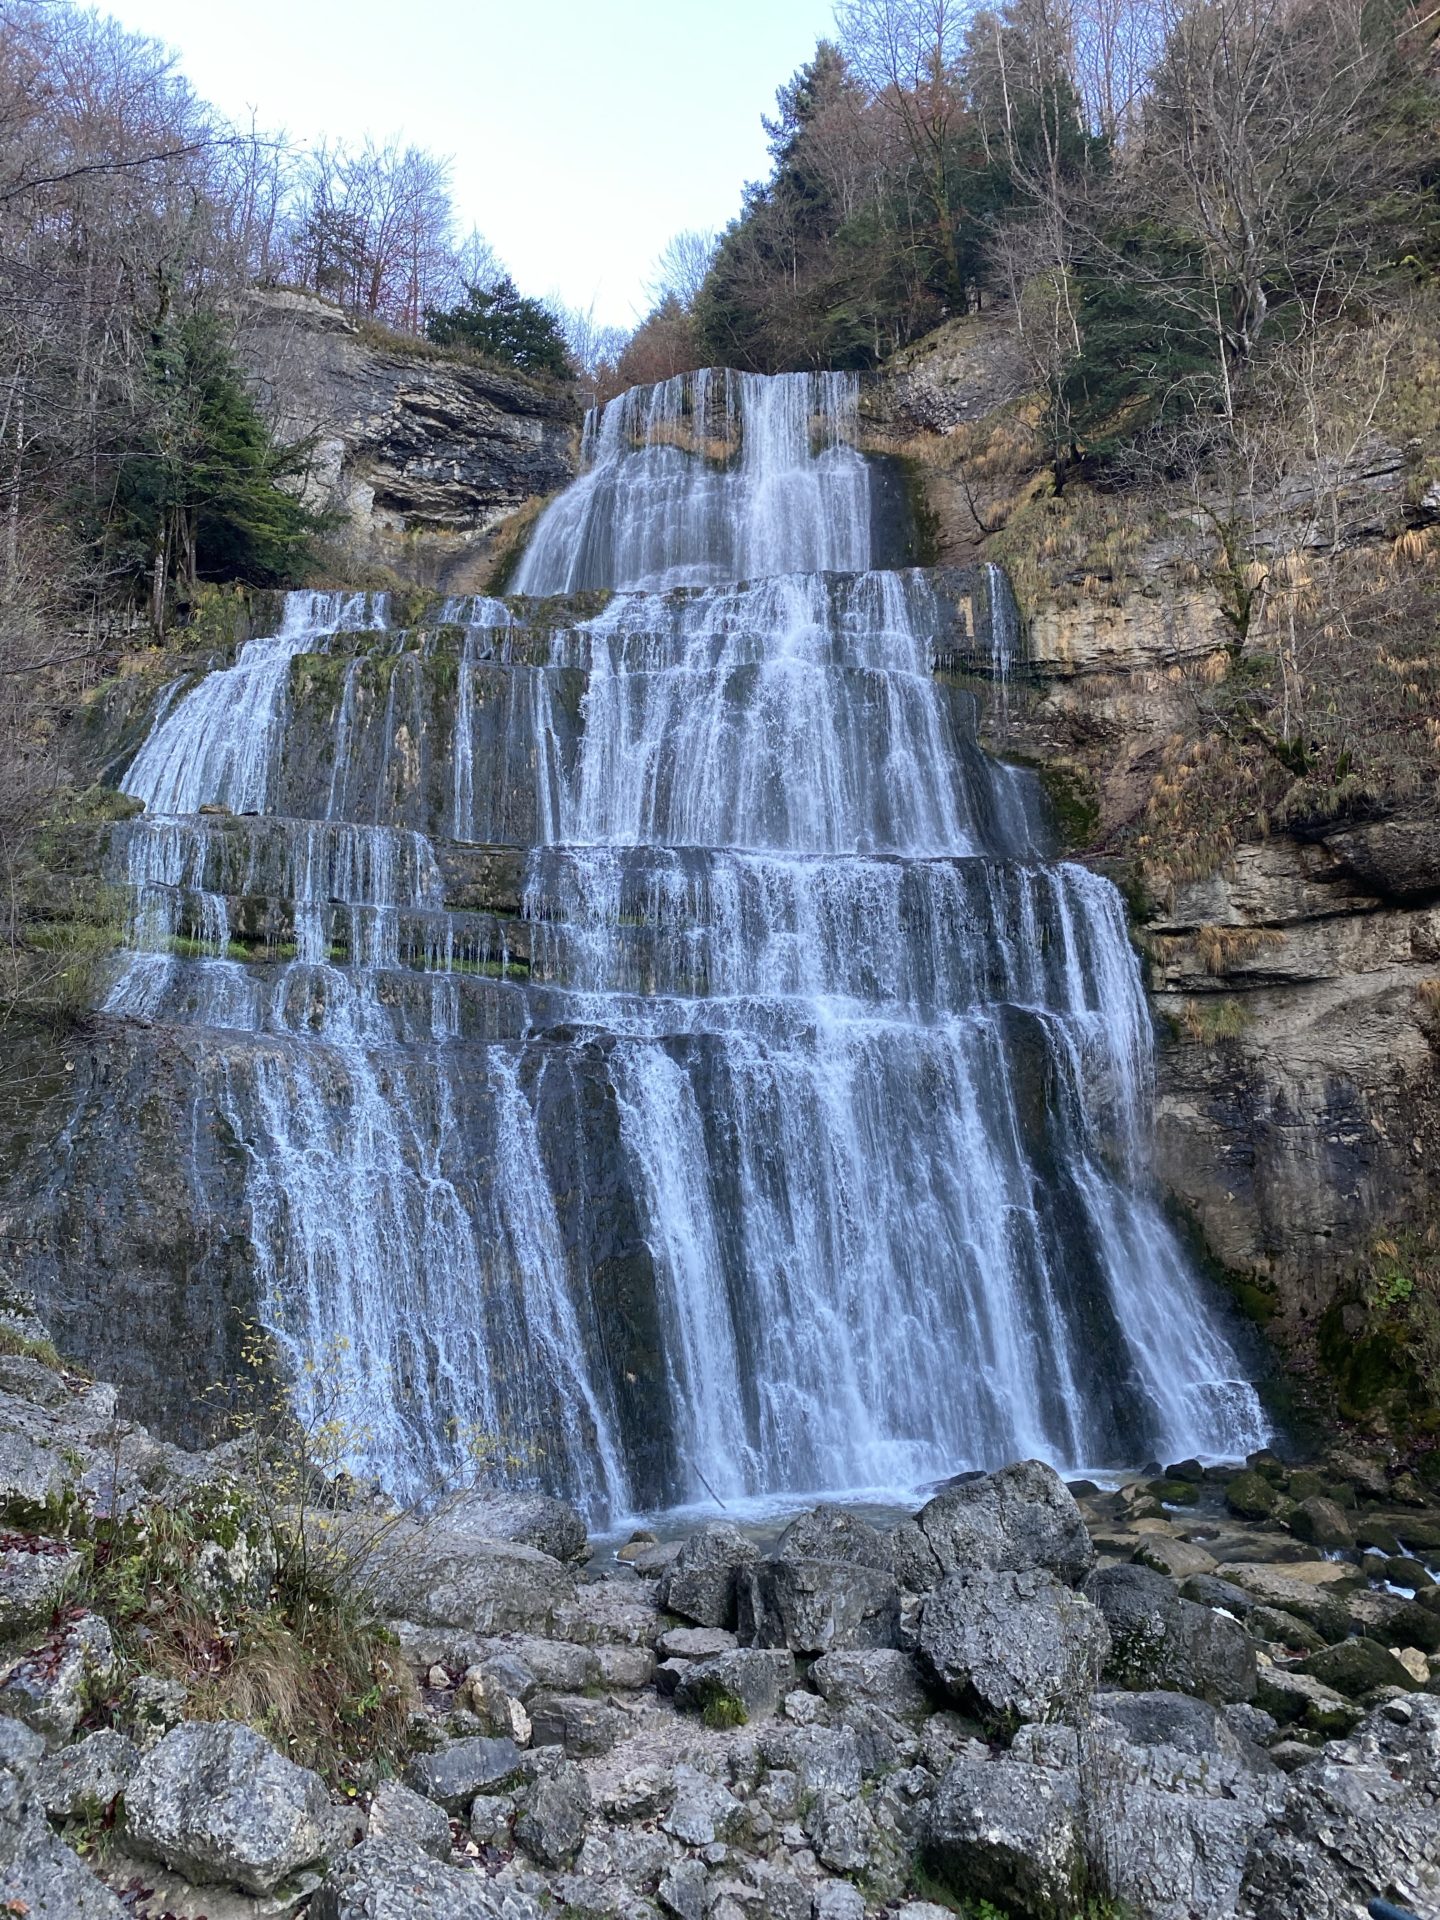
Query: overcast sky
{"points": [[584, 132]]}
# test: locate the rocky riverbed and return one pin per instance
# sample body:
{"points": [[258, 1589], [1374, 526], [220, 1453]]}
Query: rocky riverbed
{"points": [[1200, 1693]]}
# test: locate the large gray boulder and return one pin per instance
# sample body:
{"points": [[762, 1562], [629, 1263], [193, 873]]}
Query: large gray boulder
{"points": [[433, 1575], [455, 1773], [217, 1803], [1012, 1521], [829, 1532], [397, 1813], [1357, 1824], [1012, 1646], [526, 1519], [387, 1878], [736, 1687], [1008, 1834], [814, 1606], [582, 1726], [701, 1582], [1157, 1639], [873, 1677], [551, 1824], [1180, 1721]]}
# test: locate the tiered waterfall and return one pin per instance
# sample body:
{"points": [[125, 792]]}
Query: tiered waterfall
{"points": [[658, 1052]]}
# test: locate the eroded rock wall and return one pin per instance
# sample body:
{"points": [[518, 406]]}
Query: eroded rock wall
{"points": [[418, 455]]}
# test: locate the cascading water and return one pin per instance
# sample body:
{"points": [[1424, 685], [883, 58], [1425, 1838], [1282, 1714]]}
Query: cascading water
{"points": [[810, 1152]]}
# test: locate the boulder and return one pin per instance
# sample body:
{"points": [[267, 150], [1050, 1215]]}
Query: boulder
{"points": [[1013, 1521], [51, 1688], [527, 1664], [700, 1583], [534, 1520], [551, 1824], [1177, 1558], [1322, 1523], [79, 1782], [1012, 1646], [397, 1814], [745, 1685], [829, 1532], [458, 1771], [874, 1677], [812, 1606], [1251, 1496], [387, 1878], [822, 1759], [1008, 1834], [1177, 1720], [437, 1576], [1294, 1698], [1358, 1824], [39, 1875], [1355, 1667], [34, 1574], [696, 1643], [627, 1669], [582, 1726], [217, 1803], [1159, 1640]]}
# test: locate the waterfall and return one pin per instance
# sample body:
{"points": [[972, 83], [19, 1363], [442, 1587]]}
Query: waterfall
{"points": [[789, 1131]]}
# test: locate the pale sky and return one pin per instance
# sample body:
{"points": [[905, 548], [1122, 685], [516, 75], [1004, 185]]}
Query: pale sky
{"points": [[584, 132]]}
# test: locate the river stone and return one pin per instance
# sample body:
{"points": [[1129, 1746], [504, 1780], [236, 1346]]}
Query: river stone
{"points": [[700, 1582], [1291, 1697], [829, 1532], [1355, 1667], [1322, 1523], [398, 1814], [1284, 1630], [873, 1677], [1007, 1833], [1159, 1640], [50, 1689], [1015, 1520], [81, 1781], [435, 1576], [682, 1890], [812, 1606], [750, 1679], [1251, 1496], [387, 1878], [1178, 1558], [455, 1773], [582, 1726], [527, 1519], [1012, 1646], [218, 1803], [551, 1824]]}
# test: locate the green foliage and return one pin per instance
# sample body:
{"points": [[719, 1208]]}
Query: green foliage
{"points": [[1142, 359], [200, 494], [505, 326]]}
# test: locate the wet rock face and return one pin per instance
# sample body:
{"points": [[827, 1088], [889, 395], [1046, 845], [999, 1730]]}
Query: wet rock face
{"points": [[419, 455]]}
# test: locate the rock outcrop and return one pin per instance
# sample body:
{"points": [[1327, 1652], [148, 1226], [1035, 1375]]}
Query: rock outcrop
{"points": [[418, 454]]}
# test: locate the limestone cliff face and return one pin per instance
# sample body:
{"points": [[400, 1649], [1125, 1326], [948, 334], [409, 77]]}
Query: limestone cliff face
{"points": [[1296, 986], [419, 455]]}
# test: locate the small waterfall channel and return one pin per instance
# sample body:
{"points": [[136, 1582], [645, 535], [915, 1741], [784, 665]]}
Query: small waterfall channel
{"points": [[663, 1056]]}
